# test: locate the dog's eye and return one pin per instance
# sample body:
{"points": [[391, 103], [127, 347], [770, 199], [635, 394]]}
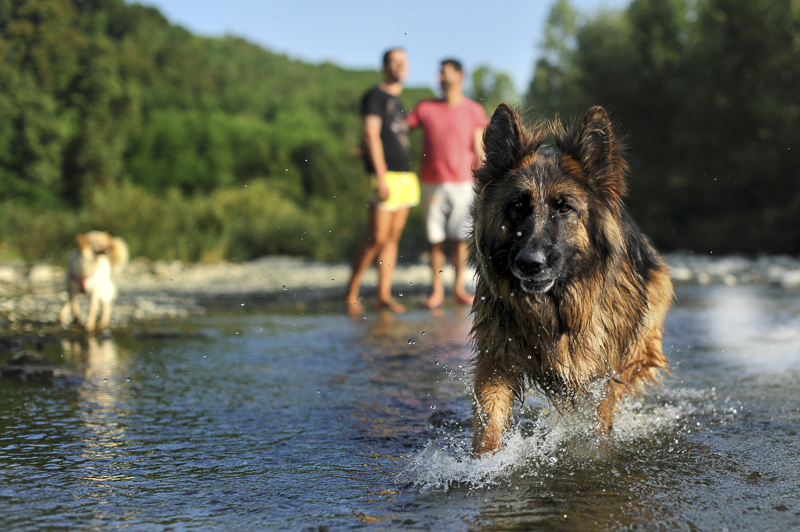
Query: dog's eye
{"points": [[518, 210], [563, 207]]}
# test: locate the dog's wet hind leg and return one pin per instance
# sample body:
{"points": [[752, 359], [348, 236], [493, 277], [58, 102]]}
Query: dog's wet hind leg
{"points": [[63, 316]]}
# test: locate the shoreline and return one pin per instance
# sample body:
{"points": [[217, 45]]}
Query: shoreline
{"points": [[153, 292]]}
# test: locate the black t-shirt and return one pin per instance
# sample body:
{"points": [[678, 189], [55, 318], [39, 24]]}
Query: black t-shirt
{"points": [[394, 130]]}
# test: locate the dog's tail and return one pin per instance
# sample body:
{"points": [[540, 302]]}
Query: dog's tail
{"points": [[119, 254]]}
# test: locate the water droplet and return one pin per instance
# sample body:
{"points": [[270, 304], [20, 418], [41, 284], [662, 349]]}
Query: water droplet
{"points": [[423, 333], [410, 341], [440, 271], [242, 304], [380, 262], [519, 233], [284, 287], [503, 227], [400, 294]]}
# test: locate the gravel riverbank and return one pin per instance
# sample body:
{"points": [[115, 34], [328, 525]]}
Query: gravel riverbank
{"points": [[31, 297]]}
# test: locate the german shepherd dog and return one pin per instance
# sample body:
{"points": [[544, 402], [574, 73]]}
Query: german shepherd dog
{"points": [[569, 291]]}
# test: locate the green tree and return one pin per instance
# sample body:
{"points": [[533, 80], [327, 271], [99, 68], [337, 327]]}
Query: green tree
{"points": [[555, 87], [490, 88], [705, 92]]}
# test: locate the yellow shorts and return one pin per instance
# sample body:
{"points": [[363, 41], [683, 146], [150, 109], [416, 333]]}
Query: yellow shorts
{"points": [[403, 191]]}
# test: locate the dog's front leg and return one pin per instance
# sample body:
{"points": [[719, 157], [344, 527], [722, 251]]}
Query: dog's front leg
{"points": [[92, 317], [494, 399], [105, 317], [607, 407]]}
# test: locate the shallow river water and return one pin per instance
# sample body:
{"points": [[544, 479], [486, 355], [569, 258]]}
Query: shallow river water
{"points": [[316, 421]]}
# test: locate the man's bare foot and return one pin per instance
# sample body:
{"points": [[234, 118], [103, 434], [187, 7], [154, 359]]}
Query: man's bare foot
{"points": [[434, 301], [391, 304], [464, 298], [354, 308]]}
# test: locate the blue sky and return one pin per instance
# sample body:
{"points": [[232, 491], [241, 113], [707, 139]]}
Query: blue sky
{"points": [[354, 33]]}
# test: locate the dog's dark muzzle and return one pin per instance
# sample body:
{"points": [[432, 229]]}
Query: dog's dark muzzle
{"points": [[536, 269]]}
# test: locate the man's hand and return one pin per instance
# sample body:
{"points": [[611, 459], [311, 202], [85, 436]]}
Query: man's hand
{"points": [[383, 188]]}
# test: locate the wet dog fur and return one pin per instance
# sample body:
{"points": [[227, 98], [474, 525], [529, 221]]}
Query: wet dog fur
{"points": [[569, 291], [89, 272]]}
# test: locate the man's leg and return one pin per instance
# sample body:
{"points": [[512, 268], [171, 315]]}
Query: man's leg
{"points": [[375, 240], [436, 299], [387, 260], [459, 258], [461, 196], [435, 221]]}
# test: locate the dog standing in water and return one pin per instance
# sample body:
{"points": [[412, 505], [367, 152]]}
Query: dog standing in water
{"points": [[569, 291], [89, 272]]}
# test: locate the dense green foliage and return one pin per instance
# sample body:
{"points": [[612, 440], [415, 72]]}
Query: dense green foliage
{"points": [[113, 118], [491, 88], [706, 92], [213, 148]]}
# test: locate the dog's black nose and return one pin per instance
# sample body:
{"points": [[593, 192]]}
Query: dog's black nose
{"points": [[530, 261]]}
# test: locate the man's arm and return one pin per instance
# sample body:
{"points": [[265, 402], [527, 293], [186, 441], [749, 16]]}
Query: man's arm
{"points": [[372, 138], [477, 143]]}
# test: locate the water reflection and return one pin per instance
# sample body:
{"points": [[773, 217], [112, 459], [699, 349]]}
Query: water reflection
{"points": [[758, 333], [99, 410]]}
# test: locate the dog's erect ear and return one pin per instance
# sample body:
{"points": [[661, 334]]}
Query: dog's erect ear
{"points": [[82, 241], [593, 139], [593, 144], [502, 142]]}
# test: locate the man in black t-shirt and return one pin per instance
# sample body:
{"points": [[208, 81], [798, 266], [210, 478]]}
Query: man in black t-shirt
{"points": [[394, 129], [394, 189]]}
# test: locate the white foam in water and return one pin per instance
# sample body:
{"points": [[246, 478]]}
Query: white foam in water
{"points": [[554, 438]]}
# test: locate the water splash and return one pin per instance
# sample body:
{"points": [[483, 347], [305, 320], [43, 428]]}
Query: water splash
{"points": [[544, 438]]}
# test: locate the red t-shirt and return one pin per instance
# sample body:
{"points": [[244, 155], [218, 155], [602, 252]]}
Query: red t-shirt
{"points": [[449, 134]]}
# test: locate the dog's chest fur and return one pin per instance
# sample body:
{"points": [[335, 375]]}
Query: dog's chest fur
{"points": [[559, 341]]}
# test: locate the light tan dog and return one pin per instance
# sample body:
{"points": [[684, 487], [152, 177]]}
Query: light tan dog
{"points": [[89, 272]]}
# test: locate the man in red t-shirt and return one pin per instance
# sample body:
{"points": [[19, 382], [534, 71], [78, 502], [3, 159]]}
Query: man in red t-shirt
{"points": [[452, 147]]}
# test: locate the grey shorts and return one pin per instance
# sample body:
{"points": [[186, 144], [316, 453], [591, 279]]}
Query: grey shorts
{"points": [[447, 211]]}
